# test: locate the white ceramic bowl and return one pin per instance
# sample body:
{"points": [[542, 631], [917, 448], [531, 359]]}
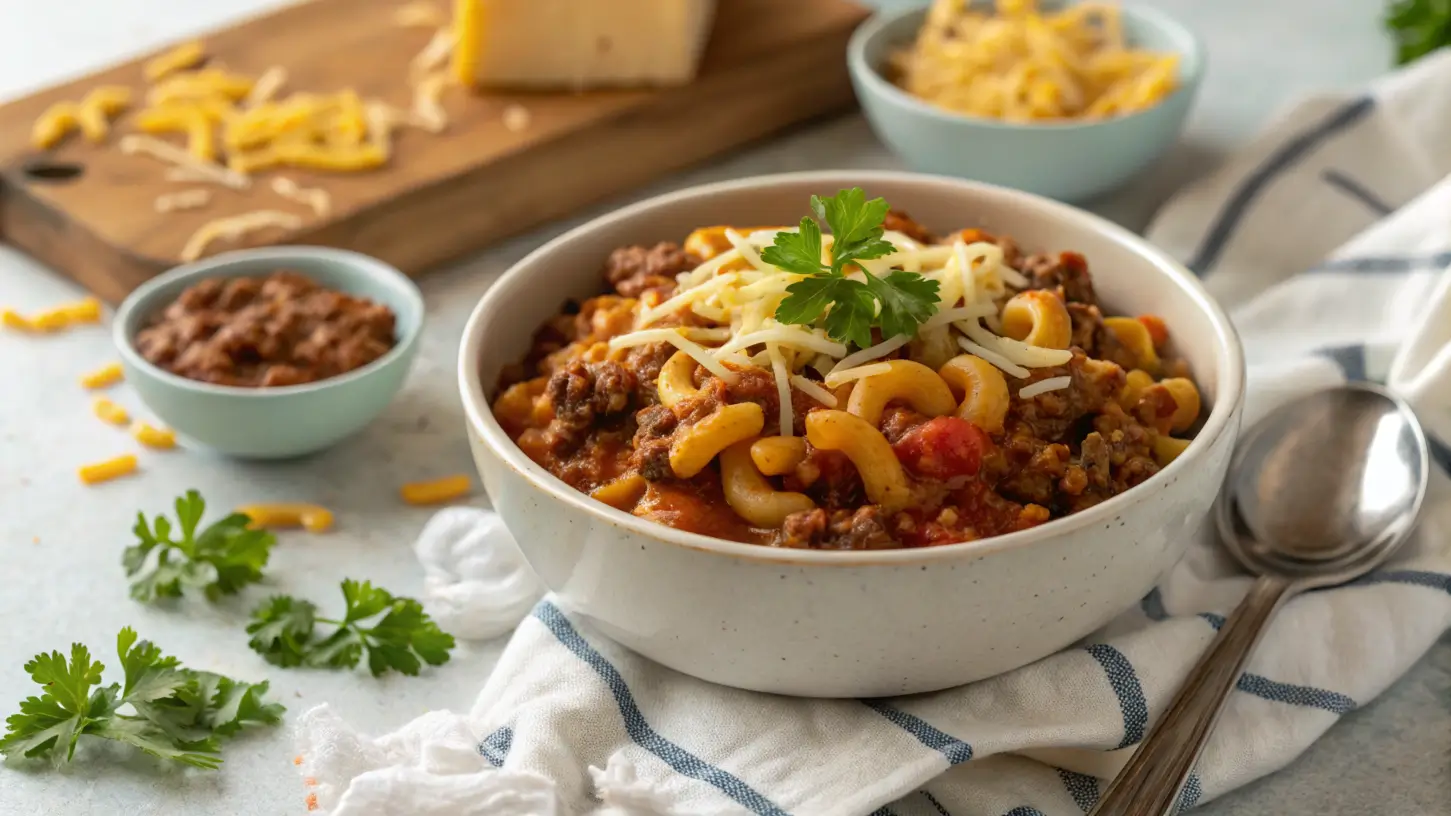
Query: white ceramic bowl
{"points": [[852, 624]]}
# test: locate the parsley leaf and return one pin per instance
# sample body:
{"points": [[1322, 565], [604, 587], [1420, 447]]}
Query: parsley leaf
{"points": [[1418, 27], [220, 560], [174, 713], [849, 309], [403, 639]]}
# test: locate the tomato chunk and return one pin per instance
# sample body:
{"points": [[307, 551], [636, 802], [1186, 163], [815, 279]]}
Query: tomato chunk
{"points": [[942, 448], [1158, 332]]}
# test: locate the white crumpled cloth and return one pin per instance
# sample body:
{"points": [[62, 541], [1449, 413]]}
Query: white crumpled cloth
{"points": [[1328, 239]]}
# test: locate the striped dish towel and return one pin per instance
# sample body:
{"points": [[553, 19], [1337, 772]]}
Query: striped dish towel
{"points": [[1328, 240]]}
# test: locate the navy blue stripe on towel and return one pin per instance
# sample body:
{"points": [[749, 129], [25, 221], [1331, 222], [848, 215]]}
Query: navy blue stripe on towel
{"points": [[1082, 787], [640, 731], [1267, 689], [1227, 221], [1125, 684], [956, 751], [1386, 263], [1430, 580], [936, 805], [1024, 810], [1355, 190], [1190, 793], [495, 747]]}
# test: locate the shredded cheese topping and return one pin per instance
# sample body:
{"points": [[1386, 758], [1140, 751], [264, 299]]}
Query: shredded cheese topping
{"points": [[428, 110], [1044, 386], [738, 292], [420, 13], [236, 227], [137, 143], [314, 197], [433, 55]]}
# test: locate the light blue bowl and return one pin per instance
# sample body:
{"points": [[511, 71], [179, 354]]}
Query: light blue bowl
{"points": [[1070, 161], [274, 423]]}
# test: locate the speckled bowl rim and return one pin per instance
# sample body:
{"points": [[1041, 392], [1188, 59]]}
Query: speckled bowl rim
{"points": [[1228, 355], [138, 305], [1191, 71]]}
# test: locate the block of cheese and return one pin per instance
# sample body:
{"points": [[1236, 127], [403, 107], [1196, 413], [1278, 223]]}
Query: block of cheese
{"points": [[579, 44]]}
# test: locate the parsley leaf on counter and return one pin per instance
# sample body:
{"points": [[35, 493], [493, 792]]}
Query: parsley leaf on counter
{"points": [[222, 559], [283, 632], [174, 713], [1418, 27], [896, 303]]}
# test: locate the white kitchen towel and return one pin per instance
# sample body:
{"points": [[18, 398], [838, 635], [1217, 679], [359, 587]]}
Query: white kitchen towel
{"points": [[1328, 240]]}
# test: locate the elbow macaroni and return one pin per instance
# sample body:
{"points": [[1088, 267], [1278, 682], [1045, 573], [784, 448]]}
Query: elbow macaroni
{"points": [[1167, 448], [676, 380], [179, 58], [751, 495], [1135, 336], [622, 493], [984, 391], [778, 455], [1186, 402], [1134, 384], [694, 447], [913, 383], [880, 470], [313, 518], [436, 491], [108, 411], [1039, 318]]}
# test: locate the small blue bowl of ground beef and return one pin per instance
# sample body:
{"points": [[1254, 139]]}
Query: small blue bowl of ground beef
{"points": [[273, 352]]}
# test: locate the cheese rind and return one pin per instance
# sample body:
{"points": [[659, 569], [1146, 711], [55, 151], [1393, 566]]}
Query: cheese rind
{"points": [[545, 44]]}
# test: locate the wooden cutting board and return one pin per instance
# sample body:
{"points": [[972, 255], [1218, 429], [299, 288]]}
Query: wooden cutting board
{"points": [[769, 64]]}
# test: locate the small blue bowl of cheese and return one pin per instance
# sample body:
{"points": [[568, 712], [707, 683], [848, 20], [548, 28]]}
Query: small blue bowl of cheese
{"points": [[1070, 159]]}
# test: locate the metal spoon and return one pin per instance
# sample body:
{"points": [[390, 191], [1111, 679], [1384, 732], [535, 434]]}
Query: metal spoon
{"points": [[1320, 492]]}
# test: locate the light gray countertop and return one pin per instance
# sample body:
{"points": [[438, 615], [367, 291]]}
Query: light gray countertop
{"points": [[60, 542]]}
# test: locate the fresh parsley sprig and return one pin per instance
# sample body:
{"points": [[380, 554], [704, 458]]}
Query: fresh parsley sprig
{"points": [[220, 560], [283, 632], [1418, 27], [896, 303], [161, 707]]}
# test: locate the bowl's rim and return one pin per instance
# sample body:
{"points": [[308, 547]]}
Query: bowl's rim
{"points": [[1229, 357], [1191, 70], [139, 303]]}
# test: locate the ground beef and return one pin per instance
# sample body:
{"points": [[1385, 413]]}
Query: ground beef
{"points": [[1050, 415], [646, 361], [634, 270], [1033, 466], [1067, 273], [900, 221], [828, 477], [1091, 335], [282, 329], [862, 529], [654, 431], [580, 391]]}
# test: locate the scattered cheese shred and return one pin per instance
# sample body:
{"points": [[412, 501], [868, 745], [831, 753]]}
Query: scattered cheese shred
{"points": [[516, 118], [814, 390], [266, 86], [108, 411], [433, 55], [418, 14], [676, 338], [783, 388], [108, 469], [151, 146], [182, 200], [236, 227], [314, 197], [1044, 386], [108, 374], [836, 378], [184, 56], [878, 351], [436, 491], [428, 109]]}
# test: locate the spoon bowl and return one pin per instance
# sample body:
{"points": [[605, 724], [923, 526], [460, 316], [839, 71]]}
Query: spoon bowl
{"points": [[1321, 491]]}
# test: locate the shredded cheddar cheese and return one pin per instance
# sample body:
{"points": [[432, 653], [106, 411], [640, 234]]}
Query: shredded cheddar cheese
{"points": [[1024, 65], [57, 122], [184, 56], [108, 469], [418, 14], [266, 86], [153, 437], [108, 374], [108, 411], [314, 197], [436, 491], [427, 107], [182, 200], [434, 54], [235, 228], [151, 146]]}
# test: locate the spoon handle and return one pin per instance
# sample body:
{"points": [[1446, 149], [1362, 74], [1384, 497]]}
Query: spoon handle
{"points": [[1149, 784]]}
